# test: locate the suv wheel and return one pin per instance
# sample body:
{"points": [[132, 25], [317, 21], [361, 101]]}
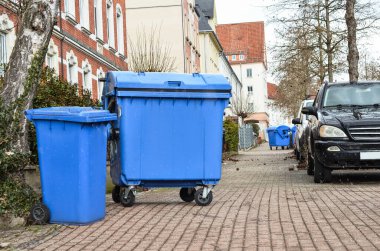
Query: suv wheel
{"points": [[322, 174], [310, 164]]}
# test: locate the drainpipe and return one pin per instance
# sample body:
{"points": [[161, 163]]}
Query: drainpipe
{"points": [[62, 39], [183, 39]]}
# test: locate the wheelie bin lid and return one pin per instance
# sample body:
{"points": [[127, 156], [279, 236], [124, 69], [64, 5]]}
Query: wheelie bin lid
{"points": [[158, 84], [71, 113], [283, 128]]}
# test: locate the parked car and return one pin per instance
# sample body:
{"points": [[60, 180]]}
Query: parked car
{"points": [[301, 123], [344, 128]]}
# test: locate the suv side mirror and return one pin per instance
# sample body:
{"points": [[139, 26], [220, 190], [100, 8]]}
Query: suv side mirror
{"points": [[309, 110], [296, 121]]}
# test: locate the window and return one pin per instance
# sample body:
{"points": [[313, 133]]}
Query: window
{"points": [[50, 61], [228, 57], [70, 8], [249, 72], [100, 84], [120, 29], [110, 24], [84, 16], [250, 107], [250, 89], [233, 57], [3, 53], [241, 57], [72, 69], [87, 80], [98, 22]]}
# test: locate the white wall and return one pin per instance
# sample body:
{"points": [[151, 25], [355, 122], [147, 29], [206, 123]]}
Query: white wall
{"points": [[258, 82], [236, 86], [165, 15]]}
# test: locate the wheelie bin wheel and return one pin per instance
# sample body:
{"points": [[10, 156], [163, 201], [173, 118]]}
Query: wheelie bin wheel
{"points": [[187, 194], [129, 200], [116, 194], [40, 214], [202, 201]]}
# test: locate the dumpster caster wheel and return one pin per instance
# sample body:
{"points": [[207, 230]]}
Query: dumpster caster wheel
{"points": [[202, 201], [116, 194], [187, 194], [270, 148], [40, 214], [129, 200], [282, 147]]}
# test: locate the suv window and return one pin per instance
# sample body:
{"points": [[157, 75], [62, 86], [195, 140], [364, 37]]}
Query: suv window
{"points": [[366, 94]]}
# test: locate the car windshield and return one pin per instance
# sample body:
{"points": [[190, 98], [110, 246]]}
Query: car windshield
{"points": [[366, 94]]}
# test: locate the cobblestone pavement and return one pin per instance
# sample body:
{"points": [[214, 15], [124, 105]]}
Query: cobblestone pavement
{"points": [[259, 205]]}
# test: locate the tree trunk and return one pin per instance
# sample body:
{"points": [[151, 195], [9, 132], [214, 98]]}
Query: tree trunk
{"points": [[329, 39], [353, 53], [25, 64]]}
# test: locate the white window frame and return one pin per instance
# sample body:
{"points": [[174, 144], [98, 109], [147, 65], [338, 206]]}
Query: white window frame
{"points": [[87, 76], [72, 68], [250, 89], [120, 29], [70, 8], [233, 57], [3, 53], [249, 72], [98, 19], [110, 24], [84, 14], [241, 57]]}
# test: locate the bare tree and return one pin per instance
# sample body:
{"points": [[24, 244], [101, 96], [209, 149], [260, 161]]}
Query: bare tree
{"points": [[147, 52], [241, 106], [25, 65], [353, 53]]}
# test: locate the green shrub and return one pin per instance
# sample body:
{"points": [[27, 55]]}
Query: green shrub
{"points": [[53, 91], [231, 136]]}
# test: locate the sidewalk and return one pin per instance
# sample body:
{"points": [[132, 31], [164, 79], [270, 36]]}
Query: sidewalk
{"points": [[259, 205]]}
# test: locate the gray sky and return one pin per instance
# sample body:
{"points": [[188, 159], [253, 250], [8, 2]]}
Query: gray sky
{"points": [[237, 11]]}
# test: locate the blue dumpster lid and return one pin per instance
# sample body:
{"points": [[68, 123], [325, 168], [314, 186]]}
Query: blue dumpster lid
{"points": [[158, 84], [283, 128], [71, 113]]}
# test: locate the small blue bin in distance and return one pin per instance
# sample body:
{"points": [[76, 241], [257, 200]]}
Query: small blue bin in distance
{"points": [[278, 136], [171, 128], [72, 145]]}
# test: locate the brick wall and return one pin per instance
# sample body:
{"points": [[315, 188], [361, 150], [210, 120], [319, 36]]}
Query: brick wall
{"points": [[73, 39]]}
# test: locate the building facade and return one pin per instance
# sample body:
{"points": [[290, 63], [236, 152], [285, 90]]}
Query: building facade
{"points": [[213, 59], [177, 24], [244, 46], [88, 40], [277, 116]]}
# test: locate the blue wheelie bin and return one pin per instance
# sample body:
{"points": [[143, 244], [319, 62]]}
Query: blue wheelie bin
{"points": [[72, 149], [279, 136], [168, 133]]}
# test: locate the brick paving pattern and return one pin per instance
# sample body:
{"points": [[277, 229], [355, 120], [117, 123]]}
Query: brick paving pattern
{"points": [[259, 205]]}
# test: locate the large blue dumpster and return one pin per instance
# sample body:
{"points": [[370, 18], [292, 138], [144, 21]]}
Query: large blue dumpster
{"points": [[169, 132], [72, 145], [279, 136]]}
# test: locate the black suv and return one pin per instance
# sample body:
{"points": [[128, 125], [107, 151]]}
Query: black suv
{"points": [[344, 128]]}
